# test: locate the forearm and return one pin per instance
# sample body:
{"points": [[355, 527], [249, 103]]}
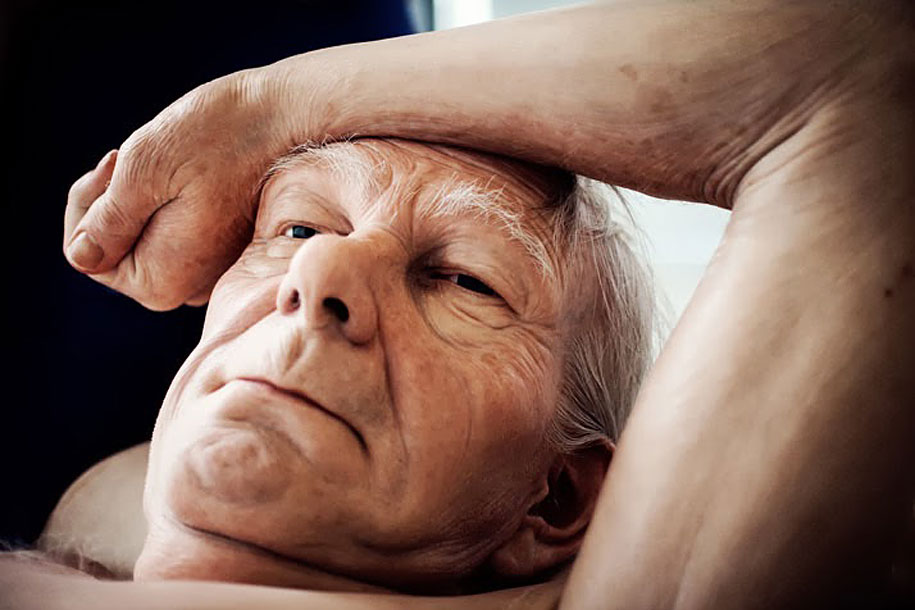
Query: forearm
{"points": [[769, 461], [678, 99]]}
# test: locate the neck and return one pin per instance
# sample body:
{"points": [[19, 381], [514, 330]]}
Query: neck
{"points": [[175, 552]]}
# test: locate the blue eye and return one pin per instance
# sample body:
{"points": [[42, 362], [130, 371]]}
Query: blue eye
{"points": [[467, 282], [300, 232]]}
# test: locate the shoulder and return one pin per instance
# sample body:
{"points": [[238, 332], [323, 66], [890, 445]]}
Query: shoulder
{"points": [[33, 561], [98, 524]]}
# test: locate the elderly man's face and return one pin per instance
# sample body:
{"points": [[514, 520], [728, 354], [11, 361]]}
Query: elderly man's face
{"points": [[374, 379]]}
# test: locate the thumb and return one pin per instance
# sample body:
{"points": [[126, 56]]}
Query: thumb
{"points": [[105, 222]]}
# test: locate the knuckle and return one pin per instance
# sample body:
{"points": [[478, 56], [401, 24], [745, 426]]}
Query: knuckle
{"points": [[133, 159], [151, 156]]}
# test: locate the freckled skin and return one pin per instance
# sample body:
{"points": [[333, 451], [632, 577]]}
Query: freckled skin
{"points": [[446, 387]]}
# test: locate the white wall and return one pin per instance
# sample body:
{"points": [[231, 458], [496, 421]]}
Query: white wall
{"points": [[455, 13], [680, 240]]}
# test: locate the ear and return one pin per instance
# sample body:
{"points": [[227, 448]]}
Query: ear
{"points": [[555, 523]]}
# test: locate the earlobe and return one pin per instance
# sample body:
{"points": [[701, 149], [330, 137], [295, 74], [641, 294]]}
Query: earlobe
{"points": [[552, 530]]}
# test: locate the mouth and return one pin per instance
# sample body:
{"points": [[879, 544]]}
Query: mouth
{"points": [[268, 387]]}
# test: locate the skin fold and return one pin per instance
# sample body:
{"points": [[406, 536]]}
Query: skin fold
{"points": [[768, 462]]}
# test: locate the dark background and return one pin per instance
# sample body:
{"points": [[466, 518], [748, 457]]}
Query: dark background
{"points": [[85, 368]]}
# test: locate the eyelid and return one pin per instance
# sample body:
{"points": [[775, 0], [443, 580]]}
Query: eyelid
{"points": [[311, 211], [286, 225], [447, 272]]}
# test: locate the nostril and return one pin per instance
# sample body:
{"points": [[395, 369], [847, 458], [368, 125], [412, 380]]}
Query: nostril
{"points": [[293, 300], [337, 307]]}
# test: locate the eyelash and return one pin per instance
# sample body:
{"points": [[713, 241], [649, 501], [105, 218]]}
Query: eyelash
{"points": [[291, 229], [466, 282], [462, 280]]}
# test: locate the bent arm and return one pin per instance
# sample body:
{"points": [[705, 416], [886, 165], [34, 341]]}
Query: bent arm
{"points": [[677, 99]]}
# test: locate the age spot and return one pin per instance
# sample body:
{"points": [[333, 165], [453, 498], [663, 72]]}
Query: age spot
{"points": [[905, 274], [629, 72]]}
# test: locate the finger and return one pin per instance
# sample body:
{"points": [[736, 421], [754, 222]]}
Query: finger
{"points": [[113, 223], [81, 196], [147, 273]]}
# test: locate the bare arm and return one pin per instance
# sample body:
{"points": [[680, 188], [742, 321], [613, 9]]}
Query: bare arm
{"points": [[769, 461], [674, 98], [677, 99]]}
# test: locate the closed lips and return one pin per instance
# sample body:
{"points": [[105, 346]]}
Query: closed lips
{"points": [[302, 398]]}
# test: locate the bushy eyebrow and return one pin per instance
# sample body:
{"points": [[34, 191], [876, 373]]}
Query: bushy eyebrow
{"points": [[354, 170], [454, 198]]}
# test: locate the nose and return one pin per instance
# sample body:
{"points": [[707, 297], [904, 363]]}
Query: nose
{"points": [[327, 283]]}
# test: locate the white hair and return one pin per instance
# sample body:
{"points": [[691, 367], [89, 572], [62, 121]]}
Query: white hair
{"points": [[610, 351]]}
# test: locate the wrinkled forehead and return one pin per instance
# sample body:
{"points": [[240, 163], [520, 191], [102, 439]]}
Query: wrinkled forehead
{"points": [[374, 164], [436, 182]]}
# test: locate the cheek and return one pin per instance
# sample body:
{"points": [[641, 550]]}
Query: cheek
{"points": [[238, 301], [472, 428], [462, 320], [247, 291], [471, 406]]}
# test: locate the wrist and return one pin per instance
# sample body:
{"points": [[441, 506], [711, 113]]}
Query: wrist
{"points": [[309, 97]]}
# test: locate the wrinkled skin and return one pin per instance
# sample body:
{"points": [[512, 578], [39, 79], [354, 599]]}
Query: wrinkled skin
{"points": [[151, 193], [402, 466]]}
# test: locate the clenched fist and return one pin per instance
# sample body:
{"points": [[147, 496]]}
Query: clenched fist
{"points": [[161, 218]]}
